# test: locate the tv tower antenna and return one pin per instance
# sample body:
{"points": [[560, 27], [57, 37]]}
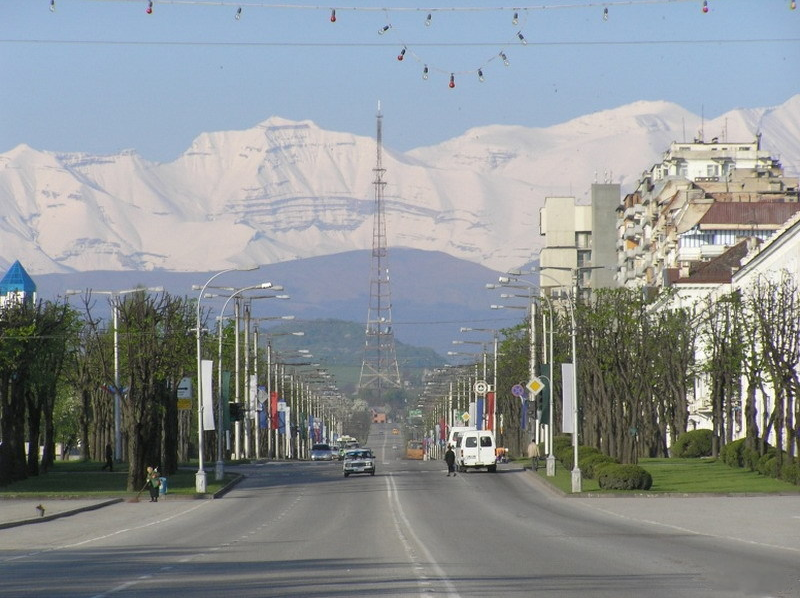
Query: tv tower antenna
{"points": [[379, 369]]}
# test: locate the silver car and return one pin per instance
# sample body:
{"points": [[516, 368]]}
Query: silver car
{"points": [[321, 452], [360, 460]]}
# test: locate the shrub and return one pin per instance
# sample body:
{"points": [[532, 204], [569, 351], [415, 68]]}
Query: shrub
{"points": [[591, 463], [732, 454], [768, 464], [693, 444], [624, 477], [791, 472]]}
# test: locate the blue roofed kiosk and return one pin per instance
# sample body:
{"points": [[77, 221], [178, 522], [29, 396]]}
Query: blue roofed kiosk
{"points": [[17, 286]]}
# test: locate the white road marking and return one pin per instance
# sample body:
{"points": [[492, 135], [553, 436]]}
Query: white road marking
{"points": [[407, 536]]}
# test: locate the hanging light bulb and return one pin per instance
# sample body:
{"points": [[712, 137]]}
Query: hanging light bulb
{"points": [[238, 13], [384, 29], [522, 38], [149, 9], [705, 5], [504, 58], [401, 55], [428, 20], [333, 15], [605, 13], [452, 80], [515, 19], [425, 72], [480, 76], [52, 5]]}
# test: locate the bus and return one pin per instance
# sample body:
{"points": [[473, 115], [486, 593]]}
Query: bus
{"points": [[414, 449]]}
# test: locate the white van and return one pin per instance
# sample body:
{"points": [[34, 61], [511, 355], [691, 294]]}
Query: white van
{"points": [[476, 449], [456, 432]]}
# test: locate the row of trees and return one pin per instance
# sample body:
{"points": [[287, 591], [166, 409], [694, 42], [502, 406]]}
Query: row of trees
{"points": [[641, 360], [56, 368]]}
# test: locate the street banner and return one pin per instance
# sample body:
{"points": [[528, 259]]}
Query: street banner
{"points": [[252, 394], [273, 410], [568, 401], [523, 420], [207, 369], [479, 414], [544, 396], [490, 410]]}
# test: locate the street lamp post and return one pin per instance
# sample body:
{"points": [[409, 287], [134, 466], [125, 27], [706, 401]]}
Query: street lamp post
{"points": [[506, 282], [200, 477], [219, 469], [494, 369]]}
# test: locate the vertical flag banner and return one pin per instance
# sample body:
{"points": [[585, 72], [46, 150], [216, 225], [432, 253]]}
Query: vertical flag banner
{"points": [[568, 400], [273, 410], [207, 369], [252, 394], [544, 396], [490, 410], [479, 414], [523, 420]]}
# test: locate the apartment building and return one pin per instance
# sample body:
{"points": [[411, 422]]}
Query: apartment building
{"points": [[699, 201], [580, 240]]}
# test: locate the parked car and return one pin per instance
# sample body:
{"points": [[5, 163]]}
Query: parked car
{"points": [[359, 460], [322, 452]]}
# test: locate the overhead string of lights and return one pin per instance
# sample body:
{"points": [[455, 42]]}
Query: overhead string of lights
{"points": [[518, 19], [428, 68]]}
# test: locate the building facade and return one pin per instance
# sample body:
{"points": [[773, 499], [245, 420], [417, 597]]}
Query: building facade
{"points": [[579, 242], [699, 201]]}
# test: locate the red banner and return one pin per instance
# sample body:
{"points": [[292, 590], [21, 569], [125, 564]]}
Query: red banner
{"points": [[489, 410], [273, 410]]}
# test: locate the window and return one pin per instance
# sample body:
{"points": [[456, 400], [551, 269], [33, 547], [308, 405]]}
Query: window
{"points": [[712, 170], [583, 240], [486, 441], [470, 442]]}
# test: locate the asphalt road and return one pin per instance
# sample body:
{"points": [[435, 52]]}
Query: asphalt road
{"points": [[302, 529]]}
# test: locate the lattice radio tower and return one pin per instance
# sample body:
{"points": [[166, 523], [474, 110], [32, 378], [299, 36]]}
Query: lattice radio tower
{"points": [[379, 369]]}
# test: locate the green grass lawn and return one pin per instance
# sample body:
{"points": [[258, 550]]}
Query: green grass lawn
{"points": [[86, 480], [690, 476]]}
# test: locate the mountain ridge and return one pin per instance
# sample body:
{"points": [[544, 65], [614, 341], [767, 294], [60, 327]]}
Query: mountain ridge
{"points": [[285, 190]]}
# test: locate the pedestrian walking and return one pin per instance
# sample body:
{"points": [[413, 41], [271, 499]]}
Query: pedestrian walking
{"points": [[533, 455], [450, 459], [153, 483], [109, 458]]}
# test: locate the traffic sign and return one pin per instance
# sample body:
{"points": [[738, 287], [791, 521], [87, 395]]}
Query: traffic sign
{"points": [[481, 387], [518, 390], [535, 386]]}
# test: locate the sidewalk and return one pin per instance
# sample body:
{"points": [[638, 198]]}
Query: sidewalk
{"points": [[22, 511]]}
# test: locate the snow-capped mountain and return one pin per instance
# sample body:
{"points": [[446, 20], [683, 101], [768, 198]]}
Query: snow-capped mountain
{"points": [[284, 190]]}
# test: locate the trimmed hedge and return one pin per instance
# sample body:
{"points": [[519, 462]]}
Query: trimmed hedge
{"points": [[693, 444], [736, 454], [732, 454], [592, 463], [624, 477]]}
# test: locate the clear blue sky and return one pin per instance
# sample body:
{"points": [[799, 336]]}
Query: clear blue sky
{"points": [[102, 75]]}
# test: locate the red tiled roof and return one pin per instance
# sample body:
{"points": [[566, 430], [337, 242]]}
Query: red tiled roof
{"points": [[749, 214]]}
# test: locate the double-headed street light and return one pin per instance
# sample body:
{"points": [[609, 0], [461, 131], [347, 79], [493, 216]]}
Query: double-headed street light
{"points": [[219, 470], [200, 477], [506, 281]]}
